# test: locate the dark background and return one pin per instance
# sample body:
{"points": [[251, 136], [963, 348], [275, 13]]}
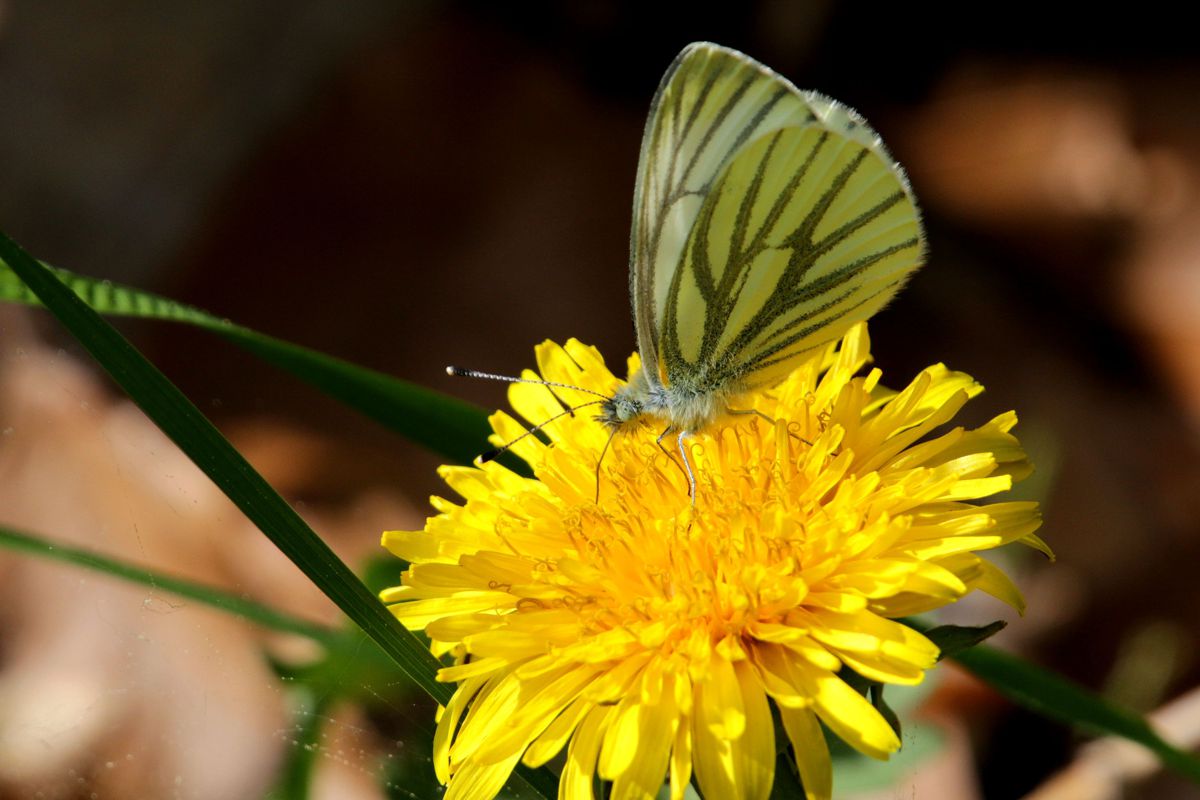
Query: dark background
{"points": [[408, 185]]}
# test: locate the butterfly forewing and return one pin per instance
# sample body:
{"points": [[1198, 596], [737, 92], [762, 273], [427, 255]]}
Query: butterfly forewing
{"points": [[711, 102], [767, 221]]}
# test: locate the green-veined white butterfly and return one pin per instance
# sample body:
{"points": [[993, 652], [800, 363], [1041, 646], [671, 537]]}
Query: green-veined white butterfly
{"points": [[766, 221]]}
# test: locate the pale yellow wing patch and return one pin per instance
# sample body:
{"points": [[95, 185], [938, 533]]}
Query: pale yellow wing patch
{"points": [[766, 222], [710, 103]]}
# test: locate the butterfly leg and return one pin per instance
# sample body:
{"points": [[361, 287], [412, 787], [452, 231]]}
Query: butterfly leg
{"points": [[687, 465], [687, 470], [600, 461], [658, 442]]}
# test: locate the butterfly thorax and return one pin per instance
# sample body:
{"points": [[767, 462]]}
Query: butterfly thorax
{"points": [[677, 407]]}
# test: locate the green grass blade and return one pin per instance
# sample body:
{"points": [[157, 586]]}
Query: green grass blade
{"points": [[350, 668], [183, 423], [1056, 697], [208, 595], [299, 767], [954, 639], [1053, 696], [309, 712], [191, 431], [447, 426]]}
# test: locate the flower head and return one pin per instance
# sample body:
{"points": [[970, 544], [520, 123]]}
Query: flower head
{"points": [[649, 637]]}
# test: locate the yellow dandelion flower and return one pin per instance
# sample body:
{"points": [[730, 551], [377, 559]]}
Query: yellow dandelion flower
{"points": [[649, 637]]}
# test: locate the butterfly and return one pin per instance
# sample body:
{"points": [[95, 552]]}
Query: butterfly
{"points": [[767, 220]]}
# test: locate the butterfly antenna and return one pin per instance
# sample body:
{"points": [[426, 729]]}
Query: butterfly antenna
{"points": [[463, 372], [492, 455]]}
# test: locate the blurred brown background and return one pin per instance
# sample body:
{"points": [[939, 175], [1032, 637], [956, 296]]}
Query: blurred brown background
{"points": [[409, 185]]}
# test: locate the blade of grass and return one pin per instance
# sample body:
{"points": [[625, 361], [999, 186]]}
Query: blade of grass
{"points": [[342, 646], [1056, 697], [1053, 696], [446, 425], [309, 712], [208, 595], [183, 423]]}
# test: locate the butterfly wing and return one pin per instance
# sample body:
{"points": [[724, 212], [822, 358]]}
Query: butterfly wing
{"points": [[766, 222]]}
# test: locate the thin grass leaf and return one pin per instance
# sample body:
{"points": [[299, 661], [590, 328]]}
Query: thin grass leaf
{"points": [[352, 667], [309, 712], [183, 423], [191, 431], [787, 784], [159, 581], [953, 639], [1053, 696], [447, 426]]}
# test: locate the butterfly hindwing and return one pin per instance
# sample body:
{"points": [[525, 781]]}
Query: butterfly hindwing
{"points": [[766, 222], [804, 234]]}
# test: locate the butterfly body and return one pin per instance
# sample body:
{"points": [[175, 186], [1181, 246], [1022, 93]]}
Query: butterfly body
{"points": [[680, 408], [767, 220]]}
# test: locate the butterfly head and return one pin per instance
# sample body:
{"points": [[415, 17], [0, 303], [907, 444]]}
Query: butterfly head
{"points": [[622, 407]]}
